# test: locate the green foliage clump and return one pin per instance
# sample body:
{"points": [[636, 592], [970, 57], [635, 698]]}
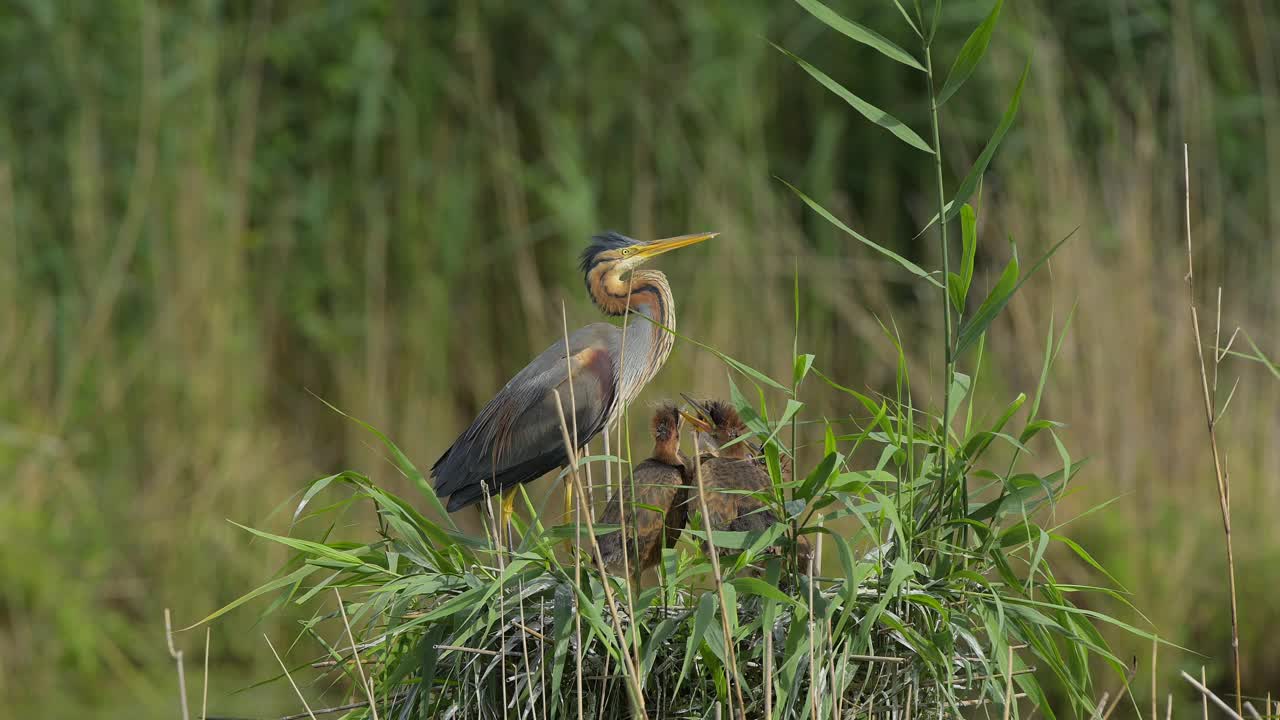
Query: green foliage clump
{"points": [[944, 597]]}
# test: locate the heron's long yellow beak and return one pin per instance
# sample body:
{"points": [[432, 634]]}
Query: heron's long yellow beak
{"points": [[657, 247], [696, 421]]}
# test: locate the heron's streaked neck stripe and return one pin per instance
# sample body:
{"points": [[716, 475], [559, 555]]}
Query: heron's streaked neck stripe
{"points": [[646, 345], [647, 342]]}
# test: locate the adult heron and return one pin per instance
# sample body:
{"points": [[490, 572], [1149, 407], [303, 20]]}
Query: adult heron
{"points": [[516, 437]]}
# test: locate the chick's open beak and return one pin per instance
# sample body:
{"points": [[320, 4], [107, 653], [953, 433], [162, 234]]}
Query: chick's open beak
{"points": [[696, 421]]}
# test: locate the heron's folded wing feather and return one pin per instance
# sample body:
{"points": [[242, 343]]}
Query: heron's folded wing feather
{"points": [[521, 423]]}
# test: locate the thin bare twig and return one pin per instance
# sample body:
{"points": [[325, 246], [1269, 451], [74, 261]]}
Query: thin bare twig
{"points": [[531, 631], [1155, 654], [877, 658], [768, 666], [305, 704], [983, 701], [630, 664], [459, 648], [1204, 700], [813, 666], [204, 699], [1208, 695], [364, 681], [339, 708], [714, 555], [622, 531], [577, 509], [1008, 686], [176, 654], [965, 682], [1102, 706], [1128, 680]]}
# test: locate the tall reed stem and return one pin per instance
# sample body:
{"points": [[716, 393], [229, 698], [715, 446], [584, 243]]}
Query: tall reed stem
{"points": [[948, 362], [1210, 392]]}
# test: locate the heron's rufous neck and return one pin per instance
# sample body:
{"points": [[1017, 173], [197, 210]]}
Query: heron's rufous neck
{"points": [[646, 345], [644, 291]]}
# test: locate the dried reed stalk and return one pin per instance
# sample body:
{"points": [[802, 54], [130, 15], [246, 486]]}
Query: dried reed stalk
{"points": [[1210, 392], [630, 664], [731, 676]]}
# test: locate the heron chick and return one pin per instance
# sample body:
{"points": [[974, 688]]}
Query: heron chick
{"points": [[730, 463], [652, 507]]}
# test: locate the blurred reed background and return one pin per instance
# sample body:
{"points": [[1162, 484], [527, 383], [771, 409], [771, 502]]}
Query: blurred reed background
{"points": [[207, 211]]}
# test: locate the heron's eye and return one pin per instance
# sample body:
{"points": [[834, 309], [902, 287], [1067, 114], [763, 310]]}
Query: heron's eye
{"points": [[627, 251]]}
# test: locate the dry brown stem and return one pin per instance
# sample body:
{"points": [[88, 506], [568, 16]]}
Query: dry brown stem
{"points": [[630, 664], [1210, 393], [730, 656]]}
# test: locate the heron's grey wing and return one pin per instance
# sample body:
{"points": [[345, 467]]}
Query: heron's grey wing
{"points": [[516, 437]]}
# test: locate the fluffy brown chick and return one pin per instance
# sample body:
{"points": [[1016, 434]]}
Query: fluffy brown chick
{"points": [[730, 465], [660, 481]]}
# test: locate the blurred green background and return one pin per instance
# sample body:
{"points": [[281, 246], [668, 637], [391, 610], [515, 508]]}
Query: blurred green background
{"points": [[210, 210]]}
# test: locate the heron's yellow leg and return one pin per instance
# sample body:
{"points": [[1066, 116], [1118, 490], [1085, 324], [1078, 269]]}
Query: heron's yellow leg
{"points": [[568, 512], [509, 506]]}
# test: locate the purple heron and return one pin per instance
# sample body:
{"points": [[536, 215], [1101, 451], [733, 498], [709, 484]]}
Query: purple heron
{"points": [[516, 437], [660, 482], [730, 465]]}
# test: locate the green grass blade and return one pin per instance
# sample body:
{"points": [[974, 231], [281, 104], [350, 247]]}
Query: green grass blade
{"points": [[973, 179], [563, 632], [817, 480], [869, 111], [971, 54], [859, 33], [969, 245], [402, 462], [905, 263], [1262, 358], [907, 16], [960, 383], [976, 326], [259, 591], [995, 301], [756, 586], [701, 620], [801, 368], [314, 549]]}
